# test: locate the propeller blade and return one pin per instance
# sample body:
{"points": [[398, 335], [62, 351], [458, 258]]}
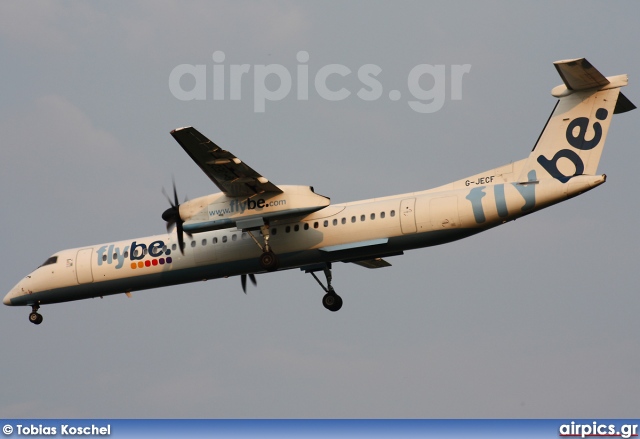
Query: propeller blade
{"points": [[180, 233], [176, 203], [243, 281], [172, 216]]}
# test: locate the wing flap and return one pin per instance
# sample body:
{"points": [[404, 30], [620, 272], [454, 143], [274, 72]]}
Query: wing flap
{"points": [[229, 173], [373, 263], [354, 245]]}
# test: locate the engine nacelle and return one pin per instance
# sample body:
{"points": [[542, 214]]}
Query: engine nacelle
{"points": [[217, 211]]}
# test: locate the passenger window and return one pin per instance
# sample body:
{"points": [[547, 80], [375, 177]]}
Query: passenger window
{"points": [[204, 242], [315, 225], [353, 219], [224, 238], [174, 247], [104, 258], [215, 240], [306, 226], [393, 213], [362, 217], [287, 229], [126, 254], [335, 222], [115, 256], [344, 221], [326, 223], [373, 216], [382, 215], [193, 243], [234, 237], [296, 227]]}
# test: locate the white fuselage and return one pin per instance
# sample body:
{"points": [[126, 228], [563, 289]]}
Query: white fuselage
{"points": [[345, 232]]}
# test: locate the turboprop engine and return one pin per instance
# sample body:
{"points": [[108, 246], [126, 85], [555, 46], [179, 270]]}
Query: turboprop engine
{"points": [[218, 211]]}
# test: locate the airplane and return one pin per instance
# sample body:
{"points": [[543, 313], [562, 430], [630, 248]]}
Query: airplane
{"points": [[254, 226]]}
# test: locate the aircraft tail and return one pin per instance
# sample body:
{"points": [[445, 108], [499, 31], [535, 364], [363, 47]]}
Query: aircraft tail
{"points": [[571, 142]]}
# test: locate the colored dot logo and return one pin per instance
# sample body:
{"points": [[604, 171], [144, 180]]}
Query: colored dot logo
{"points": [[151, 263]]}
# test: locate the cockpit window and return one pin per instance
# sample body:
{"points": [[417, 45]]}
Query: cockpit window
{"points": [[50, 261]]}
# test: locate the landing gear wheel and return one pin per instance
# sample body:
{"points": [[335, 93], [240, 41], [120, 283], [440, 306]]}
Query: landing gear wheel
{"points": [[332, 302], [269, 261], [35, 318]]}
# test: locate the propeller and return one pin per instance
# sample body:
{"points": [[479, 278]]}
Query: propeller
{"points": [[172, 217], [243, 280]]}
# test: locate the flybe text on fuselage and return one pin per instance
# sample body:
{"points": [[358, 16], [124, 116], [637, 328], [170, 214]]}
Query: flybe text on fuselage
{"points": [[240, 206], [135, 255]]}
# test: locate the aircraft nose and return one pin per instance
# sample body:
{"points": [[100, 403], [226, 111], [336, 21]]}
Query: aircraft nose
{"points": [[10, 295]]}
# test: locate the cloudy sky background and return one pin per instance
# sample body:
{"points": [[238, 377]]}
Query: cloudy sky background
{"points": [[538, 318]]}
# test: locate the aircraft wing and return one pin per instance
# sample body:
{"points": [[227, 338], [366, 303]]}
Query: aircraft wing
{"points": [[229, 173]]}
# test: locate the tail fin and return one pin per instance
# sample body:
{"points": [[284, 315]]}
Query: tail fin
{"points": [[572, 140]]}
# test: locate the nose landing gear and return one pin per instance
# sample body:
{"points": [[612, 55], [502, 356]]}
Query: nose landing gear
{"points": [[34, 317]]}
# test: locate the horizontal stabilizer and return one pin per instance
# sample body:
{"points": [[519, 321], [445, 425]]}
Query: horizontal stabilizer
{"points": [[579, 74], [623, 105]]}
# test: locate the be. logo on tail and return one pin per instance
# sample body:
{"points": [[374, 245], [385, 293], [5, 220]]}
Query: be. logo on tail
{"points": [[577, 141]]}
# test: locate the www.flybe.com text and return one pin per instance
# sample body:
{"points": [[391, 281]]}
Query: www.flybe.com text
{"points": [[237, 206]]}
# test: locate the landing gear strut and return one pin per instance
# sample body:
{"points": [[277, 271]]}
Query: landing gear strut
{"points": [[331, 300], [268, 259], [34, 317]]}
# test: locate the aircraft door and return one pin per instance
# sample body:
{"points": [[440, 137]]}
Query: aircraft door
{"points": [[83, 266], [408, 215]]}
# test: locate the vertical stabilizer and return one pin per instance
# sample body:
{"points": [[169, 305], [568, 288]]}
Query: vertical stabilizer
{"points": [[571, 143]]}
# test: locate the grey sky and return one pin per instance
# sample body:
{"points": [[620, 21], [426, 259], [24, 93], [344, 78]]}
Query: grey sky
{"points": [[538, 318]]}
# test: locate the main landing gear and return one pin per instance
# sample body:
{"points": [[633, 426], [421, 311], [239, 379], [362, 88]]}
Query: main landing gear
{"points": [[268, 259], [331, 300], [34, 317]]}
